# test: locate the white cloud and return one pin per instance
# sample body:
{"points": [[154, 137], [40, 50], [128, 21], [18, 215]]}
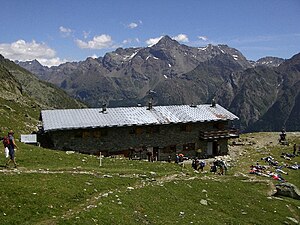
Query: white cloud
{"points": [[65, 31], [51, 62], [181, 38], [26, 51], [203, 38], [153, 41], [129, 41], [132, 25], [94, 56], [98, 42], [126, 41]]}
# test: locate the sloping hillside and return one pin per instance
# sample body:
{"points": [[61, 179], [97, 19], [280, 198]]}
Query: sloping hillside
{"points": [[22, 96], [283, 99]]}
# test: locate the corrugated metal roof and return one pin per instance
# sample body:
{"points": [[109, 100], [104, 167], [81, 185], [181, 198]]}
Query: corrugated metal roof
{"points": [[61, 119]]}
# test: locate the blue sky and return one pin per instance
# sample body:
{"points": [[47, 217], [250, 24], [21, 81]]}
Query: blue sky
{"points": [[57, 31]]}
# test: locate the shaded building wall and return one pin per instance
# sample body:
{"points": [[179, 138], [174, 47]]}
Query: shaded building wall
{"points": [[161, 140]]}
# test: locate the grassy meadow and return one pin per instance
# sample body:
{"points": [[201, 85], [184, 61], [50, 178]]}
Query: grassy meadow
{"points": [[53, 187]]}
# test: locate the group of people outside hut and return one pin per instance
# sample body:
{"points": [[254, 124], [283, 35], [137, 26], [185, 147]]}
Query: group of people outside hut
{"points": [[218, 166], [198, 164]]}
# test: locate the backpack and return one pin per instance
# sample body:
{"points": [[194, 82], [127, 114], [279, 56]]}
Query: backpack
{"points": [[6, 141], [202, 163]]}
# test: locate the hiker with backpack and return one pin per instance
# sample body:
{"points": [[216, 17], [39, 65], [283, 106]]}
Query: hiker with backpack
{"points": [[5, 142], [11, 148]]}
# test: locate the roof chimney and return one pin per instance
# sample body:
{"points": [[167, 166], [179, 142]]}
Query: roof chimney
{"points": [[103, 108], [213, 102], [151, 93], [150, 104]]}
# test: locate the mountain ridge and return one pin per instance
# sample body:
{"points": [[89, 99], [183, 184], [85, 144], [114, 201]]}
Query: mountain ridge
{"points": [[180, 74]]}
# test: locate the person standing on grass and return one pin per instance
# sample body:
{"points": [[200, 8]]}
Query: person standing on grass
{"points": [[5, 142], [177, 158], [11, 149], [201, 165]]}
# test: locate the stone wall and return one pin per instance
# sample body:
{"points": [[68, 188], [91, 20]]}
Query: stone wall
{"points": [[162, 140]]}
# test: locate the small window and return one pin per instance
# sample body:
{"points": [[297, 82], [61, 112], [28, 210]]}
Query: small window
{"points": [[219, 126], [152, 129], [132, 130], [186, 127], [171, 149], [78, 134], [97, 134], [189, 146], [86, 134], [149, 130], [156, 129], [139, 130], [104, 132], [136, 130]]}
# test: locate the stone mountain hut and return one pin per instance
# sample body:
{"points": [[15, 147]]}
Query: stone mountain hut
{"points": [[193, 130]]}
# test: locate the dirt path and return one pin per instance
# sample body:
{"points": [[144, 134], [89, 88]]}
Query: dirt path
{"points": [[94, 200]]}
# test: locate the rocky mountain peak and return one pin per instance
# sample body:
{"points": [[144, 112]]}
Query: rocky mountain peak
{"points": [[269, 61], [31, 63], [166, 42]]}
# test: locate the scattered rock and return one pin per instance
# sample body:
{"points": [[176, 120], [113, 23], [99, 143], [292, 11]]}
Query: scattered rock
{"points": [[91, 206], [106, 175], [277, 198], [105, 195], [293, 219], [153, 173], [203, 202], [69, 152]]}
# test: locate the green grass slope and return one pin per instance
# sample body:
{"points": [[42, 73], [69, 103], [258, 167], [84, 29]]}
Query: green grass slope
{"points": [[55, 187], [22, 96]]}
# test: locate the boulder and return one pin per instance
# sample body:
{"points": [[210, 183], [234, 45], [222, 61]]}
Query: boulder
{"points": [[288, 190]]}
